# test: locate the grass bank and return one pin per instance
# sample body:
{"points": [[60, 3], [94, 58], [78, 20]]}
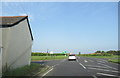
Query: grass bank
{"points": [[26, 70], [48, 57]]}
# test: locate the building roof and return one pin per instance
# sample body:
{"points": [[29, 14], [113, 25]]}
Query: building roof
{"points": [[9, 21]]}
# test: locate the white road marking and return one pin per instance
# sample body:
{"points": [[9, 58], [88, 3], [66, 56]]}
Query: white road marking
{"points": [[38, 72], [51, 68], [107, 74], [94, 76], [47, 72], [95, 66], [77, 60], [102, 61], [104, 70], [82, 65], [85, 61], [108, 66], [90, 60]]}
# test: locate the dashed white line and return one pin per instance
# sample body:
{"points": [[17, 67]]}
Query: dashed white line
{"points": [[104, 70], [82, 65], [107, 74]]}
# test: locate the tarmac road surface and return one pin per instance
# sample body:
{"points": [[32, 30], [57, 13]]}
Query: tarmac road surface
{"points": [[83, 67]]}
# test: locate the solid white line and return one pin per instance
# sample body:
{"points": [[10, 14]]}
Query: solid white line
{"points": [[82, 65], [47, 72], [107, 74], [108, 66], [94, 76], [104, 70]]}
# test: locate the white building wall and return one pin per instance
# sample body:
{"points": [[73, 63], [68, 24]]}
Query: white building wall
{"points": [[0, 62], [17, 49], [0, 53], [5, 41]]}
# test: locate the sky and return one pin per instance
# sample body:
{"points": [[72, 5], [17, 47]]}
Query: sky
{"points": [[69, 26]]}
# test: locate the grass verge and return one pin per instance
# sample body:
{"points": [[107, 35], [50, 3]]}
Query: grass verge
{"points": [[26, 70], [48, 57], [114, 60]]}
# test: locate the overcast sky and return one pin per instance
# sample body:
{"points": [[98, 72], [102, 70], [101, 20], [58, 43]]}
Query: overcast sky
{"points": [[69, 26]]}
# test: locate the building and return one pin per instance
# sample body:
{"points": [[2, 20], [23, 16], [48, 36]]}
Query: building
{"points": [[15, 42]]}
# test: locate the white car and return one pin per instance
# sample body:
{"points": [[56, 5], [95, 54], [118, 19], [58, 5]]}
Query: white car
{"points": [[72, 57]]}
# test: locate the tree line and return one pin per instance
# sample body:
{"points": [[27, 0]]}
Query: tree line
{"points": [[46, 54], [102, 53], [112, 52]]}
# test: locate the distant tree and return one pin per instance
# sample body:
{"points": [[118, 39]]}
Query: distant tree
{"points": [[112, 52], [102, 51], [98, 52], [79, 53]]}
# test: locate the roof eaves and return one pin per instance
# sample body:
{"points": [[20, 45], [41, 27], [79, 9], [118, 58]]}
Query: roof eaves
{"points": [[10, 25]]}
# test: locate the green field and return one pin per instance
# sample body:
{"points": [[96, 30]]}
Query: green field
{"points": [[48, 57]]}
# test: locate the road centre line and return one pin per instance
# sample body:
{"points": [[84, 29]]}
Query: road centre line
{"points": [[108, 66], [94, 76], [107, 74], [82, 65], [104, 70]]}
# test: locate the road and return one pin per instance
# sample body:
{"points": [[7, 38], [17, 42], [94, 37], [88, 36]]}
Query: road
{"points": [[83, 67]]}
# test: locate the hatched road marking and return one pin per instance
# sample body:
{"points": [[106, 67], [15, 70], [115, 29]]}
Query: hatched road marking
{"points": [[85, 61], [82, 65], [108, 66], [95, 66], [104, 70], [107, 74]]}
